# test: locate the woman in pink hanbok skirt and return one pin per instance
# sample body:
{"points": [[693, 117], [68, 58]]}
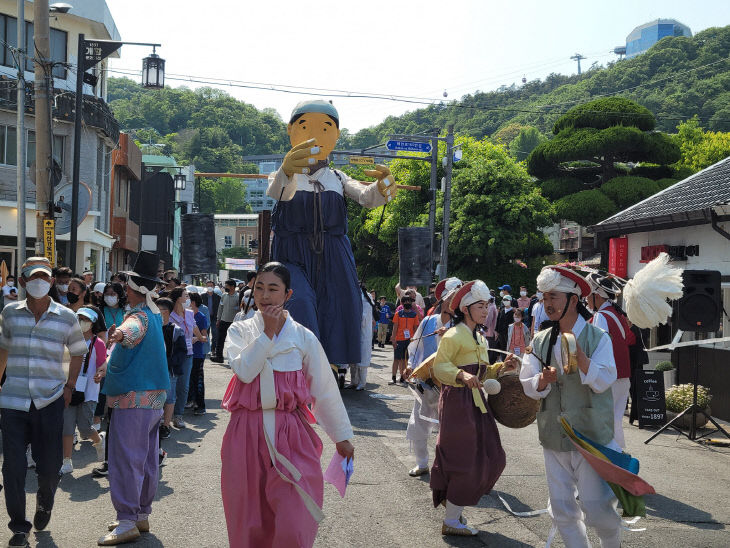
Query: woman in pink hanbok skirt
{"points": [[271, 477]]}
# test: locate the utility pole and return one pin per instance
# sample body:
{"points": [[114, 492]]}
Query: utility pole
{"points": [[447, 201], [577, 57], [432, 192], [41, 32], [20, 143]]}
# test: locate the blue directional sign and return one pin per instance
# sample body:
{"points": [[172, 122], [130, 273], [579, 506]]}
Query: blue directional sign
{"points": [[410, 146]]}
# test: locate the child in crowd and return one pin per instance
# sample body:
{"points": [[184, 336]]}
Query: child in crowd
{"points": [[518, 334], [177, 352], [80, 413]]}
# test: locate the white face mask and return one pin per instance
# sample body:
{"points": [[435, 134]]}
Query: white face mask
{"points": [[10, 283], [111, 300], [187, 304], [85, 325], [507, 304], [523, 293], [539, 295], [501, 293], [38, 288], [62, 287], [210, 290]]}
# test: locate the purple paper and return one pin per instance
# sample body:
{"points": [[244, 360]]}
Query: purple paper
{"points": [[338, 472]]}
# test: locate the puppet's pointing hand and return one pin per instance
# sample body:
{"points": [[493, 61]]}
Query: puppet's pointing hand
{"points": [[386, 183], [300, 158]]}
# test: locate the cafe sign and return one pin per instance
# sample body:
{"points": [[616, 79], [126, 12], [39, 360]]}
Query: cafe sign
{"points": [[675, 252]]}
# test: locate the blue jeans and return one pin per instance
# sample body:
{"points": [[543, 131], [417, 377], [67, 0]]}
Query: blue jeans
{"points": [[183, 385]]}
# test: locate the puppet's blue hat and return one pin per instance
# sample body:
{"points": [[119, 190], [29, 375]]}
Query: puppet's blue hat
{"points": [[315, 105]]}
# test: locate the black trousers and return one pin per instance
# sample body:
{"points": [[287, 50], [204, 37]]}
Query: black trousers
{"points": [[196, 393], [222, 332], [42, 428]]}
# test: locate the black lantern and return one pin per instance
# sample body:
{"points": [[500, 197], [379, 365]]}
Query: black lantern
{"points": [[153, 71], [180, 181]]}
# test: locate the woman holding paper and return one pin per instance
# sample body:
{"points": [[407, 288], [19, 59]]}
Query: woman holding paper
{"points": [[280, 371]]}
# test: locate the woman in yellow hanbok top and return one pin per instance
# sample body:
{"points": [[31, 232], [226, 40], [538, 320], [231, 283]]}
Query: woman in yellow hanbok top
{"points": [[469, 455]]}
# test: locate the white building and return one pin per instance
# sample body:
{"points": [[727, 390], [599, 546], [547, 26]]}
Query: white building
{"points": [[99, 137]]}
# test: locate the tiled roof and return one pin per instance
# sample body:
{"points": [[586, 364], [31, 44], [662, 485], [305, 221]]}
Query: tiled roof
{"points": [[687, 201]]}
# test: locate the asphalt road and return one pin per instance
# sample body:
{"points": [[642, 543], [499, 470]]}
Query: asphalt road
{"points": [[384, 506]]}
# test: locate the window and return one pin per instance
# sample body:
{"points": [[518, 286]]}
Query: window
{"points": [[227, 241], [8, 152], [59, 142], [58, 41]]}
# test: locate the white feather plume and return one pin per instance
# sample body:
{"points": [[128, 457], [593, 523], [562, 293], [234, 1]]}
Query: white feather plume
{"points": [[645, 296]]}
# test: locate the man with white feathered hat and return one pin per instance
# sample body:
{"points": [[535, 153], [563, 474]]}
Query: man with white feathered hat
{"points": [[609, 317], [584, 399], [424, 343]]}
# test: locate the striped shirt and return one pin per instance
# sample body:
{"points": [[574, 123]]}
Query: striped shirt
{"points": [[35, 371]]}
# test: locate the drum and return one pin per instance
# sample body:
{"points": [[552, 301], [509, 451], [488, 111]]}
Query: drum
{"points": [[424, 371], [568, 351], [511, 407]]}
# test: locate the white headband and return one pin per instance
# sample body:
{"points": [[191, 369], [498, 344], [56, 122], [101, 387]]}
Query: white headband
{"points": [[550, 279], [149, 294], [478, 292]]}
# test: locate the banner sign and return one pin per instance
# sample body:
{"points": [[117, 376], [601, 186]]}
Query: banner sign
{"points": [[49, 240], [240, 264], [618, 256]]}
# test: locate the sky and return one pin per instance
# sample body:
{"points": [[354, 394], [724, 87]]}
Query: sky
{"points": [[402, 48]]}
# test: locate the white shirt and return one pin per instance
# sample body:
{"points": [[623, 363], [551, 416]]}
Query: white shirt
{"points": [[249, 350], [599, 320], [601, 369], [538, 316]]}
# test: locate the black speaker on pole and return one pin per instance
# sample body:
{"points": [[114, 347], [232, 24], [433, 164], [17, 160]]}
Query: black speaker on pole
{"points": [[198, 244], [414, 256], [700, 308]]}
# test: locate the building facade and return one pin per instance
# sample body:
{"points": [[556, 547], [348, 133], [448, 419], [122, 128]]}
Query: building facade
{"points": [[691, 222], [645, 36], [126, 168], [99, 136], [236, 230]]}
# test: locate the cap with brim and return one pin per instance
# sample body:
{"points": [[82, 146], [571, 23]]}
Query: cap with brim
{"points": [[506, 286], [36, 264], [562, 279], [88, 313], [315, 105]]}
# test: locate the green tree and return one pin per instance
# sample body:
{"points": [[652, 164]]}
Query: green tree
{"points": [[602, 133], [586, 207], [699, 148], [527, 139]]}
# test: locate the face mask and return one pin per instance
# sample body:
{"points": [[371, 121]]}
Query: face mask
{"points": [[517, 320], [72, 298], [85, 325], [539, 295], [501, 293], [111, 300], [11, 283], [62, 287], [187, 304], [210, 290], [507, 304], [523, 293], [38, 288]]}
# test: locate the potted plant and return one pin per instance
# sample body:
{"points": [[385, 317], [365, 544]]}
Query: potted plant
{"points": [[679, 398], [668, 369]]}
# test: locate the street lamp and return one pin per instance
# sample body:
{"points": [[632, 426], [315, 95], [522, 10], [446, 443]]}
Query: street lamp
{"points": [[153, 71], [89, 54], [180, 181]]}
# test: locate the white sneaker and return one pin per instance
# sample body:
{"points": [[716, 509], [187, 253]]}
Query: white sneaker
{"points": [[100, 447], [178, 422], [67, 467], [29, 457]]}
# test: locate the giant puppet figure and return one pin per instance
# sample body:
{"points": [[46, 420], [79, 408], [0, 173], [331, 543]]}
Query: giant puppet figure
{"points": [[310, 229]]}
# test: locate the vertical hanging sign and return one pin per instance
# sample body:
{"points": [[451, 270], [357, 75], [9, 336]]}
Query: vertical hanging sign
{"points": [[618, 255], [49, 240]]}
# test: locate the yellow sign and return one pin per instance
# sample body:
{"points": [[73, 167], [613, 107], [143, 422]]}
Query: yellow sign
{"points": [[361, 160], [49, 240]]}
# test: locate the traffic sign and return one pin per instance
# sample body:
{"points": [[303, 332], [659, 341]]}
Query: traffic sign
{"points": [[362, 160], [410, 146]]}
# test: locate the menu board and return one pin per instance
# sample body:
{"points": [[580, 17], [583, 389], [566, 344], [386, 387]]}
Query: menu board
{"points": [[650, 396]]}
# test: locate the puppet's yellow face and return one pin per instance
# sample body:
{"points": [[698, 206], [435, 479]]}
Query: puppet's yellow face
{"points": [[315, 125]]}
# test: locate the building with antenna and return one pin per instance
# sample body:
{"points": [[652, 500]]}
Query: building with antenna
{"points": [[645, 36]]}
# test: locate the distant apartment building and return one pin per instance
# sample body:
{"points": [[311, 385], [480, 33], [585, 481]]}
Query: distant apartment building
{"points": [[99, 138], [645, 36], [235, 230]]}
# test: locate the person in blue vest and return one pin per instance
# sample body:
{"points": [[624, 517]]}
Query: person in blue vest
{"points": [[309, 222], [581, 395], [424, 416], [136, 387]]}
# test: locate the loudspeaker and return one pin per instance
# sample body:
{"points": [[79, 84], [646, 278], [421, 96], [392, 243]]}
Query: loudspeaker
{"points": [[700, 308], [198, 244], [414, 256]]}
